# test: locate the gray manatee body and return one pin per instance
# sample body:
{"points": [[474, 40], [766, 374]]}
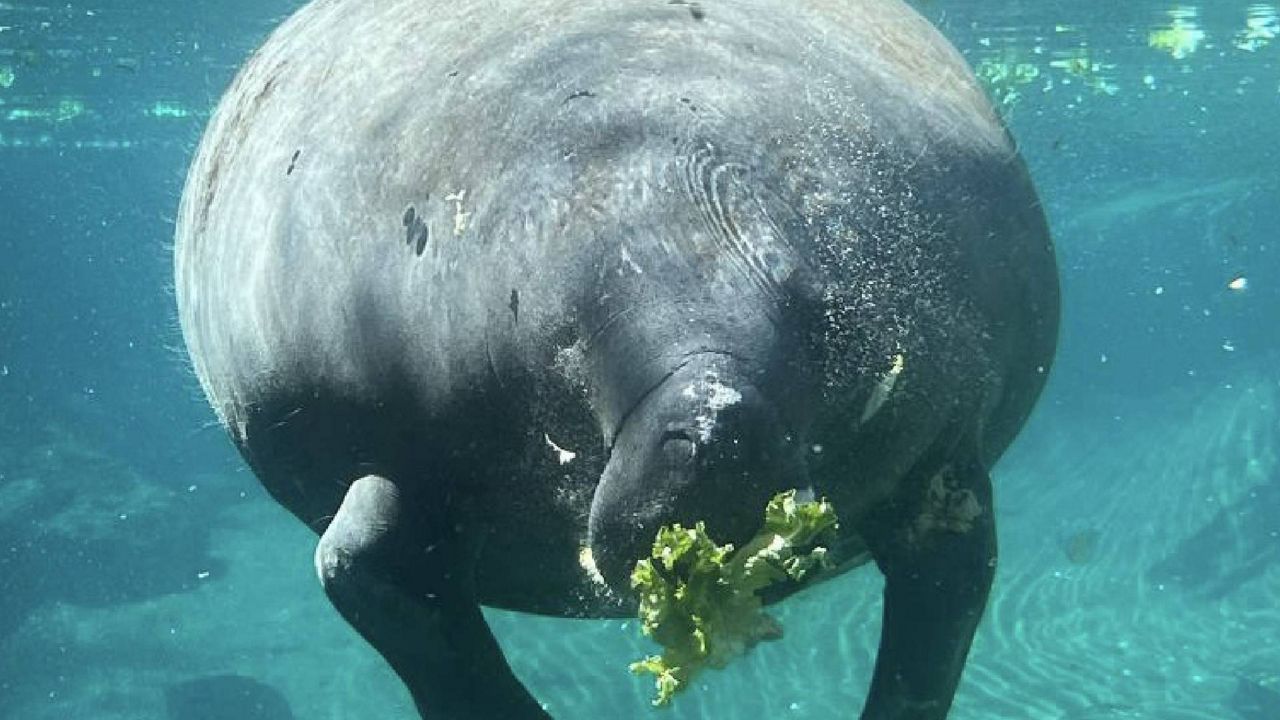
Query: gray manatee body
{"points": [[477, 287]]}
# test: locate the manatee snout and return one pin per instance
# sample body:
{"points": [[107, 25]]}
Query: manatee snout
{"points": [[706, 445]]}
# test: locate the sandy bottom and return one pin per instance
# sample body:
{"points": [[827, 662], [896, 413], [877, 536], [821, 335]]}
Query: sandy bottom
{"points": [[1139, 578]]}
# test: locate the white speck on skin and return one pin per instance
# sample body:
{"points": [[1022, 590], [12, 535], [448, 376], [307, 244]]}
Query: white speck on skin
{"points": [[459, 217], [715, 396], [588, 562], [631, 263], [564, 456], [880, 393]]}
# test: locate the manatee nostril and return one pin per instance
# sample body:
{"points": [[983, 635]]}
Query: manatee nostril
{"points": [[679, 450], [679, 444], [677, 431]]}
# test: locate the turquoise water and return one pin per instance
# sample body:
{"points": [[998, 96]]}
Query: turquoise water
{"points": [[144, 573]]}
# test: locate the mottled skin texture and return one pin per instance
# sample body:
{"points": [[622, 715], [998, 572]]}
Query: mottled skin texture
{"points": [[717, 250]]}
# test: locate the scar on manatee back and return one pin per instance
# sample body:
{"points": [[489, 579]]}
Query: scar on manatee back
{"points": [[416, 232], [293, 161], [695, 9]]}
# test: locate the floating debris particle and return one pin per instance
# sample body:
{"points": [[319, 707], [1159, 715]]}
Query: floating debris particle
{"points": [[7, 76], [1238, 284], [880, 393], [563, 456]]}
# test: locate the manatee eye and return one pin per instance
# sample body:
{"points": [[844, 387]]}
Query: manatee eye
{"points": [[679, 446]]}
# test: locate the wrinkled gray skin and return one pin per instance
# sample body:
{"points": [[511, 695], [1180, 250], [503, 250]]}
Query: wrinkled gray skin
{"points": [[715, 250]]}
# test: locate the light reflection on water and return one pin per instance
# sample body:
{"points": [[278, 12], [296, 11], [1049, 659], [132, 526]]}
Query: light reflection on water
{"points": [[116, 79]]}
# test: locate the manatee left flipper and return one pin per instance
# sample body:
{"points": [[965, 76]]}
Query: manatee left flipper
{"points": [[406, 587], [937, 550]]}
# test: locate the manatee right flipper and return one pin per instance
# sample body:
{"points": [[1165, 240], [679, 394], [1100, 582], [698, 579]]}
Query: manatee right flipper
{"points": [[405, 585]]}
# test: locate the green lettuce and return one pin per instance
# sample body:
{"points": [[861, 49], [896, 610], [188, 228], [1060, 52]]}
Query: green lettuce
{"points": [[700, 601]]}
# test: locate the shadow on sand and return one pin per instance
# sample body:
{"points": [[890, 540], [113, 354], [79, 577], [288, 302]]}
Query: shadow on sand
{"points": [[225, 697], [1238, 544]]}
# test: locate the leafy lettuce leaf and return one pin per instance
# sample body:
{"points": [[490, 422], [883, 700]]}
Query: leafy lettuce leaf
{"points": [[699, 600]]}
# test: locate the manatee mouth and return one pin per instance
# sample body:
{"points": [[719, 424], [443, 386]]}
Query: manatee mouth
{"points": [[704, 446]]}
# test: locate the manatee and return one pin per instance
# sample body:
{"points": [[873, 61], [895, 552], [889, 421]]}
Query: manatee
{"points": [[486, 293]]}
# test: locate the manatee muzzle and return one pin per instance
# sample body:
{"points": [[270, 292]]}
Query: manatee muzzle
{"points": [[705, 445]]}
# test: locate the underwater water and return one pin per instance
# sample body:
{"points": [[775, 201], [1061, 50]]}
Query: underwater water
{"points": [[145, 574]]}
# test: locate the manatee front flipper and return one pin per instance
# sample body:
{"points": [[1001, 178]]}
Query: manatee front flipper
{"points": [[404, 582], [937, 550]]}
